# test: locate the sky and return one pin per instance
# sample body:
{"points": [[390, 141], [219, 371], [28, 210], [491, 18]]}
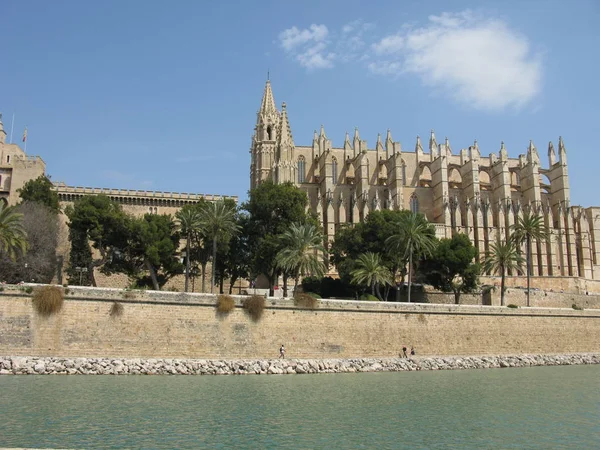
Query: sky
{"points": [[162, 95]]}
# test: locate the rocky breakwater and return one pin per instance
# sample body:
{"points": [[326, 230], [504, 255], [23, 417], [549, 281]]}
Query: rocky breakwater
{"points": [[111, 366]]}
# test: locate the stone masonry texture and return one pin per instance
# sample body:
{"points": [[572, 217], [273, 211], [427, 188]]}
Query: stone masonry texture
{"points": [[176, 325]]}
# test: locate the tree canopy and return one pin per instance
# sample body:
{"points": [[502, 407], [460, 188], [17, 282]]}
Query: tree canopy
{"points": [[40, 190], [452, 266]]}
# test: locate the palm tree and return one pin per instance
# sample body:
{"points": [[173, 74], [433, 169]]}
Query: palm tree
{"points": [[503, 256], [370, 270], [302, 252], [189, 223], [13, 237], [414, 236], [527, 228], [217, 219]]}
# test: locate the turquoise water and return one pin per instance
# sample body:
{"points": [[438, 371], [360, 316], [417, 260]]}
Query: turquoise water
{"points": [[538, 407]]}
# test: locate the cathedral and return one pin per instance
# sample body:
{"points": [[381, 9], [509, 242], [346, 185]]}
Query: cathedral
{"points": [[458, 192]]}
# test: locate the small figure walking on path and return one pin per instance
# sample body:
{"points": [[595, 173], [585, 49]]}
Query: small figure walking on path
{"points": [[282, 351], [412, 351], [404, 355]]}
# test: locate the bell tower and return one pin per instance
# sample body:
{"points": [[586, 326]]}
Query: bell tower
{"points": [[263, 148]]}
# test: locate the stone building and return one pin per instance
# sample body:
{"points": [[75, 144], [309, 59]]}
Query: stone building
{"points": [[16, 168], [458, 191]]}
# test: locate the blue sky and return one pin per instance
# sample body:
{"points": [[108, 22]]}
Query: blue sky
{"points": [[162, 95]]}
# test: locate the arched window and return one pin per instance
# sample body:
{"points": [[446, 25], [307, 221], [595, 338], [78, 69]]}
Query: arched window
{"points": [[301, 169], [414, 204], [269, 131], [403, 173], [334, 170]]}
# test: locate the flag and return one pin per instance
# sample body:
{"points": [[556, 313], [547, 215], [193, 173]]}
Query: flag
{"points": [[25, 135]]}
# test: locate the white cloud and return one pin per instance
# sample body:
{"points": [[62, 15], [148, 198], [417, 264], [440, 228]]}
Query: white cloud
{"points": [[475, 60], [308, 46], [480, 62]]}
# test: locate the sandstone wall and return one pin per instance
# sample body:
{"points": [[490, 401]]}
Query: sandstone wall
{"points": [[175, 325]]}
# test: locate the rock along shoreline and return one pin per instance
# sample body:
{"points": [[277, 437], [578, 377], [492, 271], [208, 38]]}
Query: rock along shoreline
{"points": [[155, 366]]}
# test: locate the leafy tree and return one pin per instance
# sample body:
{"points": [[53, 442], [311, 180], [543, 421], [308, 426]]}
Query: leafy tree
{"points": [[152, 243], [13, 237], [302, 252], [502, 257], [80, 256], [236, 258], [527, 228], [40, 190], [39, 264], [272, 208], [452, 267], [369, 236], [100, 221], [217, 219], [370, 270], [189, 220], [413, 237]]}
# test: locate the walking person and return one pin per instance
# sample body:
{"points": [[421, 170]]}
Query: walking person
{"points": [[282, 351], [412, 351], [404, 355]]}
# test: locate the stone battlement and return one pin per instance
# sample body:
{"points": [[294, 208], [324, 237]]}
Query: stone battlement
{"points": [[66, 192]]}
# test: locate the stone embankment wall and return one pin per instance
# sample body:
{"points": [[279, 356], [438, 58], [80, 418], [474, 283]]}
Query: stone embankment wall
{"points": [[108, 366], [177, 325]]}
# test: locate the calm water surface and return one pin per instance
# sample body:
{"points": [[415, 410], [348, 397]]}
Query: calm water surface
{"points": [[538, 407]]}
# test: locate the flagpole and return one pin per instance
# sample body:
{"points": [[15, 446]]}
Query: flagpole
{"points": [[25, 139], [12, 126]]}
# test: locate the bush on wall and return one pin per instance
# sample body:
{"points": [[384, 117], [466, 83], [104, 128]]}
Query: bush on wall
{"points": [[116, 309], [48, 300], [254, 307], [225, 304], [306, 301]]}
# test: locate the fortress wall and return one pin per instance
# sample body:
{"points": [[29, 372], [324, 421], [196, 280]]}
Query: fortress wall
{"points": [[175, 325]]}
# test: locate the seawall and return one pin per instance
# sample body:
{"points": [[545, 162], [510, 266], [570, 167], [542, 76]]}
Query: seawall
{"points": [[109, 366], [177, 325]]}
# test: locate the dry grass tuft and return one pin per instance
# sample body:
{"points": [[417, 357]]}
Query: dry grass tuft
{"points": [[225, 304], [116, 310], [306, 301], [254, 306], [48, 300]]}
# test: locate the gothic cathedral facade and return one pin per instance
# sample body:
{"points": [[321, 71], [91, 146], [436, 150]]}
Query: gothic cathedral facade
{"points": [[459, 192]]}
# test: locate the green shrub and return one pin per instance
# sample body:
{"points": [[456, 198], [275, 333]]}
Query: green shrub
{"points": [[116, 309], [577, 308], [225, 304], [48, 300], [511, 306], [254, 307], [67, 290], [1, 288], [306, 301], [27, 290], [368, 297]]}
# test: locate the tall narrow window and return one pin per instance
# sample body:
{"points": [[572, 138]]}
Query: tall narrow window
{"points": [[403, 174], [269, 132], [333, 170], [414, 204], [7, 159], [301, 169]]}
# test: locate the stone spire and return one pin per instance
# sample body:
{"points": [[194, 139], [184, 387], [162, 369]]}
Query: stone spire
{"points": [[532, 153], [347, 141], [503, 152], [322, 132], [379, 144], [551, 154], [418, 145], [285, 131], [432, 143], [562, 151], [267, 106]]}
